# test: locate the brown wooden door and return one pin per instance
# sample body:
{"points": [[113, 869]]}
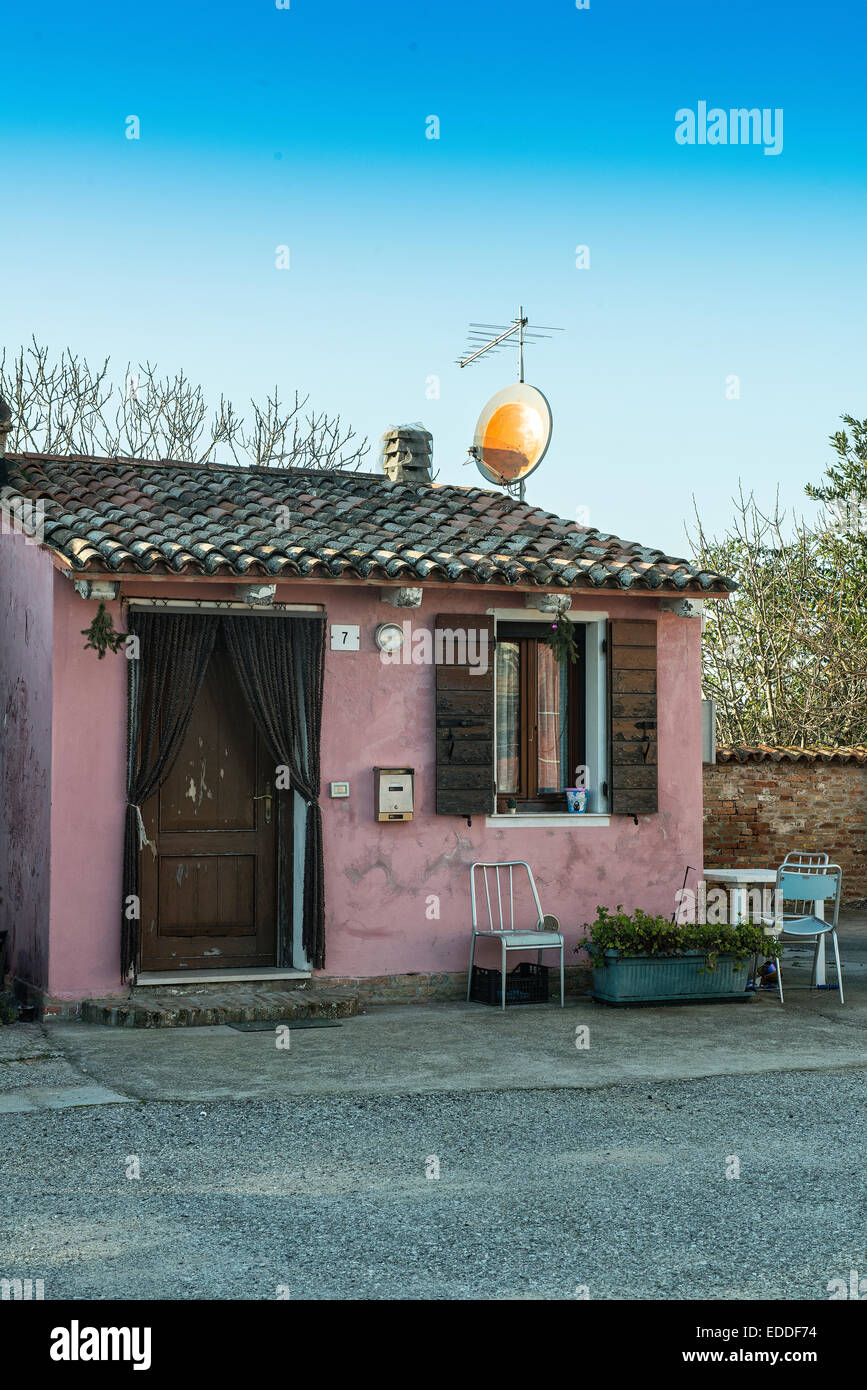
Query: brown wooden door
{"points": [[208, 896]]}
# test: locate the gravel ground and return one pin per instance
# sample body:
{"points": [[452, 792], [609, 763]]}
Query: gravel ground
{"points": [[621, 1189]]}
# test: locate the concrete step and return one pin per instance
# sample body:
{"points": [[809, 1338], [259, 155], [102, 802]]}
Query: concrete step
{"points": [[176, 1008], [219, 981]]}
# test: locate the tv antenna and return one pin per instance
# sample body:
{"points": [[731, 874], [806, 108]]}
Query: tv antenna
{"points": [[480, 341]]}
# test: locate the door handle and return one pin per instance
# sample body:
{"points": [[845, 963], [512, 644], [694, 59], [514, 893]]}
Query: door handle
{"points": [[266, 797]]}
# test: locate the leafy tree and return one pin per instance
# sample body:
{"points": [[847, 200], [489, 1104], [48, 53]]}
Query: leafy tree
{"points": [[845, 491], [785, 657], [843, 526]]}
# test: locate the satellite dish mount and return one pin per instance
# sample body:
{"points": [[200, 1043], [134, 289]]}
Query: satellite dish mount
{"points": [[514, 428]]}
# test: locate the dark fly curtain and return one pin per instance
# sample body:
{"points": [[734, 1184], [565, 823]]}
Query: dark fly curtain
{"points": [[164, 679], [279, 663]]}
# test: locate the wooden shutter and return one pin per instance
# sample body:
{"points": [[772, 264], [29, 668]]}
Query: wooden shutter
{"points": [[464, 716], [632, 717]]}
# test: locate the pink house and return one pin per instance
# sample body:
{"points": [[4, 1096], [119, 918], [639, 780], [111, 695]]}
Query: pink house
{"points": [[208, 797]]}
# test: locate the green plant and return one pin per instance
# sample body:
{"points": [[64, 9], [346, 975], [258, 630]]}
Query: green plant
{"points": [[640, 934], [561, 638], [785, 657], [101, 635]]}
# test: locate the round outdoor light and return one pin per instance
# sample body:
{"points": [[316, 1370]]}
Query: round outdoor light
{"points": [[389, 637]]}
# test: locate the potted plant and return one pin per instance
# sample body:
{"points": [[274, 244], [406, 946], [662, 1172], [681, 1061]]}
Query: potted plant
{"points": [[511, 806], [639, 958]]}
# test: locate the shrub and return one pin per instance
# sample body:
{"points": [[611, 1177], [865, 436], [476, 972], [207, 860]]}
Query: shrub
{"points": [[639, 934]]}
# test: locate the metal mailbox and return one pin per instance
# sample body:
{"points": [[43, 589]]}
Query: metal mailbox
{"points": [[393, 792]]}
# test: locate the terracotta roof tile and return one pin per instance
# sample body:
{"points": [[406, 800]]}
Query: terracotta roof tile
{"points": [[762, 752], [126, 516]]}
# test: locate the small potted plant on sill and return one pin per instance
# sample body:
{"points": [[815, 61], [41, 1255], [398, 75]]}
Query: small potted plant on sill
{"points": [[511, 805], [638, 958]]}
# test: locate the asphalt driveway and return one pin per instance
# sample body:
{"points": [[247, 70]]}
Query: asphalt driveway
{"points": [[627, 1191], [447, 1151]]}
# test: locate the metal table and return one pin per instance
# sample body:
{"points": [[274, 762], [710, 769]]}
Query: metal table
{"points": [[739, 882]]}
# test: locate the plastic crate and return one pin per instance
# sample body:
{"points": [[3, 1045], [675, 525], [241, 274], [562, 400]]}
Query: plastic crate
{"points": [[526, 984]]}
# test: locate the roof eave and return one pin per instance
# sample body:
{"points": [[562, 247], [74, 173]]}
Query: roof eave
{"points": [[62, 564]]}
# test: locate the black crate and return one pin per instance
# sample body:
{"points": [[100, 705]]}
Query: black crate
{"points": [[526, 984]]}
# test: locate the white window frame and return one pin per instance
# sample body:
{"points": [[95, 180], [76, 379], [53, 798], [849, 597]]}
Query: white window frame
{"points": [[596, 720]]}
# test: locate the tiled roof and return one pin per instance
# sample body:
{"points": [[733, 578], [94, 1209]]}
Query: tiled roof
{"points": [[130, 517], [761, 752]]}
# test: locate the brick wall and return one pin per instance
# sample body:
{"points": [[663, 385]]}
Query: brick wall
{"points": [[757, 812]]}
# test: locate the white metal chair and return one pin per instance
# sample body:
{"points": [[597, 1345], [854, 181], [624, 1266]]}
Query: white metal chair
{"points": [[802, 886], [501, 919], [808, 858]]}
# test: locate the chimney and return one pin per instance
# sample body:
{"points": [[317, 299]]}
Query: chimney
{"points": [[406, 454]]}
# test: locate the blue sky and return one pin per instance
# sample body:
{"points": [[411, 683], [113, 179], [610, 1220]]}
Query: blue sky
{"points": [[306, 127]]}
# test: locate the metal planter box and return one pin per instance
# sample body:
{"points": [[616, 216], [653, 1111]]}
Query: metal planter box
{"points": [[667, 979]]}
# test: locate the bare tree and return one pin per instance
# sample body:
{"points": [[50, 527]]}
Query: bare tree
{"points": [[785, 657], [65, 406]]}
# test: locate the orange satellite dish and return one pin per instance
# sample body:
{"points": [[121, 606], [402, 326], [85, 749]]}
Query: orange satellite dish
{"points": [[512, 434]]}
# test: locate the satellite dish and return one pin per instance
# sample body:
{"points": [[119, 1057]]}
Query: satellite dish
{"points": [[512, 434]]}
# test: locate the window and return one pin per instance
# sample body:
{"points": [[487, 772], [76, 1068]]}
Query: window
{"points": [[540, 718]]}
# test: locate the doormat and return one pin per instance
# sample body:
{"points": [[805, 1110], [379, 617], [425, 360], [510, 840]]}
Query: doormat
{"points": [[267, 1025]]}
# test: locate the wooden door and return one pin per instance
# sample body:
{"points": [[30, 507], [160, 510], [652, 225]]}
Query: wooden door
{"points": [[209, 894]]}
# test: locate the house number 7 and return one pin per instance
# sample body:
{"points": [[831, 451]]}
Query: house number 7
{"points": [[345, 637]]}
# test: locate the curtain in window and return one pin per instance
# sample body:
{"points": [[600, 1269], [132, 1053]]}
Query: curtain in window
{"points": [[508, 673], [164, 680], [552, 724], [280, 664]]}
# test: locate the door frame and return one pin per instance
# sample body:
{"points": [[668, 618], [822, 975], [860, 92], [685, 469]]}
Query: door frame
{"points": [[289, 855]]}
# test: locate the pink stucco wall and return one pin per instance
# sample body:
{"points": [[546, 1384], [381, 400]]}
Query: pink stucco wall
{"points": [[379, 877], [26, 578], [88, 780]]}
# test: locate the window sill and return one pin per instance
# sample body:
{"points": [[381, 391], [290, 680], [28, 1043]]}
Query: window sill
{"points": [[542, 821]]}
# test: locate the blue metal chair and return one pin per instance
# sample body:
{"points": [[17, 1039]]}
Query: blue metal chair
{"points": [[501, 919], [798, 858], [803, 886]]}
